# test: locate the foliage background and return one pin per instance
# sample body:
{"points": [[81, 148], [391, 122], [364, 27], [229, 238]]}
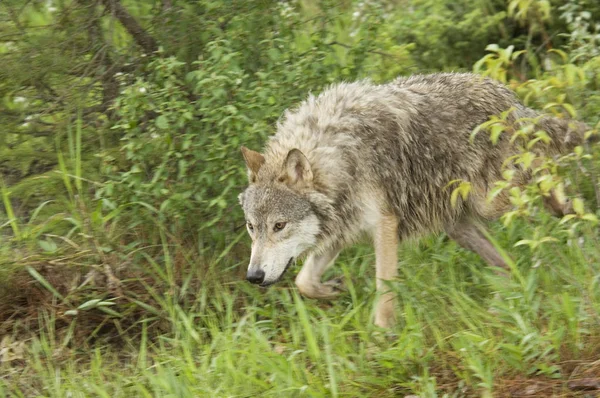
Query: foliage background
{"points": [[123, 243]]}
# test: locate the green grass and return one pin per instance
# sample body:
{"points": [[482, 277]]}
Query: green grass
{"points": [[114, 311], [186, 330]]}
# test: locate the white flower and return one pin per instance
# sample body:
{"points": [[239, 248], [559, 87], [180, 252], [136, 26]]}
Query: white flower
{"points": [[142, 90], [356, 14], [20, 100]]}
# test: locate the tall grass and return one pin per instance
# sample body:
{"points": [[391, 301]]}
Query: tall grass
{"points": [[183, 327], [10, 214], [463, 331]]}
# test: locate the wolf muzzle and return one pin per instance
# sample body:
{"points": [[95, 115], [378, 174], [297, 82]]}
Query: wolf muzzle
{"points": [[256, 276]]}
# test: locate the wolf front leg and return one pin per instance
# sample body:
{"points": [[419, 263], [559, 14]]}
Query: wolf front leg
{"points": [[309, 278], [386, 269]]}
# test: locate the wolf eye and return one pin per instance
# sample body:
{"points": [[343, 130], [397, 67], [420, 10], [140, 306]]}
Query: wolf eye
{"points": [[250, 227], [279, 226]]}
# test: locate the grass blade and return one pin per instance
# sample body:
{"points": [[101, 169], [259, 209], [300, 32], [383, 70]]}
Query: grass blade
{"points": [[12, 220], [38, 277]]}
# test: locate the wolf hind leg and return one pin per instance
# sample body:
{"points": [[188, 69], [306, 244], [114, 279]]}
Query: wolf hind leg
{"points": [[308, 279], [469, 234], [557, 205]]}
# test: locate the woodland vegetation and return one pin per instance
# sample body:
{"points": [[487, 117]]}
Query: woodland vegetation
{"points": [[122, 243]]}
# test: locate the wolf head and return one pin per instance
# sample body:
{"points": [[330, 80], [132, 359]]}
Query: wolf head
{"points": [[279, 217]]}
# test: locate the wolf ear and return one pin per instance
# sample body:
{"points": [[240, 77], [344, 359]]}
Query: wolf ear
{"points": [[297, 168], [254, 161]]}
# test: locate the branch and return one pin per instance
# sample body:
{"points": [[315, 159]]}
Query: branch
{"points": [[32, 132], [337, 43], [141, 37], [110, 85]]}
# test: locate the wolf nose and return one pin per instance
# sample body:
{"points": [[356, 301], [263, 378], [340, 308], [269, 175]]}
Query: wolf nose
{"points": [[255, 276]]}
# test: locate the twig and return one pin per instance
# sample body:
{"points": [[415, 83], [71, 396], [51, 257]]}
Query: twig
{"points": [[337, 43]]}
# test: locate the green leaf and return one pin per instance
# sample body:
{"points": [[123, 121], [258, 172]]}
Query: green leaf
{"points": [[508, 174], [569, 108], [89, 304], [110, 312], [162, 122], [454, 197], [590, 217], [524, 242], [499, 188], [543, 136], [527, 159], [48, 246], [496, 130], [492, 47], [545, 185], [567, 218], [578, 206], [147, 307], [38, 277]]}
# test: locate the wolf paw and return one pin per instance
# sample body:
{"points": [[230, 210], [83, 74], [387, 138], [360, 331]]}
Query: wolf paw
{"points": [[324, 291]]}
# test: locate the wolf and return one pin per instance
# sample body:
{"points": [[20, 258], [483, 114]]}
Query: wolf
{"points": [[375, 160]]}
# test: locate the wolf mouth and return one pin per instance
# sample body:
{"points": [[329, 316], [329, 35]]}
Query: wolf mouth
{"points": [[280, 276]]}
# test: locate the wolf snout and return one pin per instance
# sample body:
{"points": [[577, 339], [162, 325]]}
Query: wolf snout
{"points": [[256, 276]]}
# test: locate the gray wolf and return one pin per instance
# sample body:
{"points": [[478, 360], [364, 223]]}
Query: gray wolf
{"points": [[364, 159]]}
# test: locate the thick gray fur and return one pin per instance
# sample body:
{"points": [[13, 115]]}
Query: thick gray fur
{"points": [[387, 150]]}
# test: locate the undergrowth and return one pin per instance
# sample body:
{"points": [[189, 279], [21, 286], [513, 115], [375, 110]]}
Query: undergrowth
{"points": [[122, 261], [175, 327]]}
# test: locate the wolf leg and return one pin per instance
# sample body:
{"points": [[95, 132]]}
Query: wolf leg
{"points": [[386, 269], [469, 235], [557, 206], [309, 278]]}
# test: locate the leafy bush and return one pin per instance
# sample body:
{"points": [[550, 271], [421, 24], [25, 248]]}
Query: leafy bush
{"points": [[181, 126], [141, 252]]}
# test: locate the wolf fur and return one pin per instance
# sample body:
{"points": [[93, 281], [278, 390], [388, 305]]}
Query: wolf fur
{"points": [[374, 159]]}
